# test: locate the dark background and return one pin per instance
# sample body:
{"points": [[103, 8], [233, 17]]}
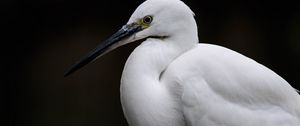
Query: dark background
{"points": [[42, 38]]}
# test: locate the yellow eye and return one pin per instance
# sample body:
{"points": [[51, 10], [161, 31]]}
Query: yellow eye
{"points": [[147, 19]]}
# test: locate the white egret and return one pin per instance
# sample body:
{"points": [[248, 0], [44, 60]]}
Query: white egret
{"points": [[172, 80]]}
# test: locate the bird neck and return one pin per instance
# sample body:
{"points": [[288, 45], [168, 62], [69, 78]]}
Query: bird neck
{"points": [[152, 57], [143, 96]]}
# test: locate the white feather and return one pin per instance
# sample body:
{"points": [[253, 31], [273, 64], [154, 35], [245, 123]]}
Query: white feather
{"points": [[174, 81]]}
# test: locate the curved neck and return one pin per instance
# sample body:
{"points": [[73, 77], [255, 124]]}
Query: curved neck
{"points": [[146, 101], [150, 58]]}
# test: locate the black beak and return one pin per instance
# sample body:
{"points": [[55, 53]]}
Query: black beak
{"points": [[125, 32]]}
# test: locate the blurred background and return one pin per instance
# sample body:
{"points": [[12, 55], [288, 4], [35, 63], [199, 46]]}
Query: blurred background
{"points": [[42, 38]]}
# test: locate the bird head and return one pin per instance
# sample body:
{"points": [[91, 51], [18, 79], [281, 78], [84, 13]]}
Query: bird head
{"points": [[159, 19]]}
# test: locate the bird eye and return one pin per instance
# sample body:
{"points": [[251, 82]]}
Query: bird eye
{"points": [[147, 19]]}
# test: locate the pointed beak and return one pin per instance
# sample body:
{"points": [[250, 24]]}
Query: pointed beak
{"points": [[125, 32]]}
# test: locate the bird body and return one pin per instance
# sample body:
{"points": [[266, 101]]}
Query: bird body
{"points": [[172, 80], [224, 88], [208, 85]]}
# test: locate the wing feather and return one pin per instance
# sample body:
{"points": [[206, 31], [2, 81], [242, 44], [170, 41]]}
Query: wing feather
{"points": [[220, 87]]}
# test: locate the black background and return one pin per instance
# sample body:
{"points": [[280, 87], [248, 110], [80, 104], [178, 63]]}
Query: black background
{"points": [[42, 38]]}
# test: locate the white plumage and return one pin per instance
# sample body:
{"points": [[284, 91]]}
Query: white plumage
{"points": [[171, 80]]}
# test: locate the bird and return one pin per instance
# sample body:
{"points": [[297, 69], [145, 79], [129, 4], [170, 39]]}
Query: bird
{"points": [[172, 79]]}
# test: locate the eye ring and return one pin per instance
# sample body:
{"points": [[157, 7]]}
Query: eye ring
{"points": [[147, 19]]}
